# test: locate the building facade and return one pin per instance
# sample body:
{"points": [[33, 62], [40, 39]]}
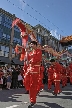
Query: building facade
{"points": [[45, 38], [5, 33], [42, 34]]}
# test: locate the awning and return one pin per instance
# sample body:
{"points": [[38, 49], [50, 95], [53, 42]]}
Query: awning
{"points": [[4, 60], [17, 62]]}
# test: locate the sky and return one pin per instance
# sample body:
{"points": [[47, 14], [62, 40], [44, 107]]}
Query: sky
{"points": [[55, 15]]}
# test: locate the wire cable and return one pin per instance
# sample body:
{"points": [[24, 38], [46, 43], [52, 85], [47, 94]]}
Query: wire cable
{"points": [[32, 16], [42, 15]]}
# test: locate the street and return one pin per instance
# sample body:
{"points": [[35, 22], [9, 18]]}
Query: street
{"points": [[17, 99]]}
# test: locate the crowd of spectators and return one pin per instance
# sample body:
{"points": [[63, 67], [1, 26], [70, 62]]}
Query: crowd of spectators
{"points": [[11, 77]]}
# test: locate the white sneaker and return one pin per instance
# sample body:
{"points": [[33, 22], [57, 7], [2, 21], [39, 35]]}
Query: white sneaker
{"points": [[41, 90]]}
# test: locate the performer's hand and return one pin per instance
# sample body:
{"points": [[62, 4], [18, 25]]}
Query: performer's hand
{"points": [[27, 49]]}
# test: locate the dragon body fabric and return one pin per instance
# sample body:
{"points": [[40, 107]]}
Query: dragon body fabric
{"points": [[26, 31]]}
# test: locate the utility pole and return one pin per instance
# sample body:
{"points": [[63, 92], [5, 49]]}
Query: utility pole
{"points": [[11, 44], [11, 41]]}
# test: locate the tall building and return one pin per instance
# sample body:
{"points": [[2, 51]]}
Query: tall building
{"points": [[5, 33], [43, 35], [45, 38]]}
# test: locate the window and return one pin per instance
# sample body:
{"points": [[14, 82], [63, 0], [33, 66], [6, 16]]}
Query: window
{"points": [[0, 18], [12, 50], [53, 42], [38, 30], [4, 35], [0, 14], [39, 39], [7, 49], [6, 54], [1, 53], [1, 32], [16, 29], [7, 25], [7, 22], [8, 37], [2, 48], [18, 40], [14, 39], [43, 32]]}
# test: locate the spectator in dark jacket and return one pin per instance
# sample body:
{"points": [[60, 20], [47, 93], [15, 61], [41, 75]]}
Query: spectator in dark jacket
{"points": [[15, 73]]}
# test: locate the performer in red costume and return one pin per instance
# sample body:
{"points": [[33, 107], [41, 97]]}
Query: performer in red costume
{"points": [[50, 77], [70, 69], [64, 78], [56, 76], [68, 73], [40, 80], [33, 70]]}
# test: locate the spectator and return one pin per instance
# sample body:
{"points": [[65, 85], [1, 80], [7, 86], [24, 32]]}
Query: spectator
{"points": [[15, 73], [1, 79], [20, 82], [9, 80]]}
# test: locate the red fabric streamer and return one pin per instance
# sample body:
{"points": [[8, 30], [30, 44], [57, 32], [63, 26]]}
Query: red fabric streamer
{"points": [[23, 30], [15, 22]]}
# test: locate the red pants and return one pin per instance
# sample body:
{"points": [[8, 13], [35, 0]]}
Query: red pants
{"points": [[49, 83], [40, 83], [64, 81], [57, 87], [70, 79], [33, 87]]}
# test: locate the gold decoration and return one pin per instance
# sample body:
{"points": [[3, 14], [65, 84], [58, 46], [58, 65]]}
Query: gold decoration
{"points": [[65, 39], [29, 28]]}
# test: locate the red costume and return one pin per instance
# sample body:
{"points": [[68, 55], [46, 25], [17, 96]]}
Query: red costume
{"points": [[33, 72], [50, 77], [64, 77], [57, 78], [70, 68], [40, 84]]}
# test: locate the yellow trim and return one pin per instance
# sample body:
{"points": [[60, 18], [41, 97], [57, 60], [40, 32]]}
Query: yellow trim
{"points": [[56, 80], [34, 72], [37, 65]]}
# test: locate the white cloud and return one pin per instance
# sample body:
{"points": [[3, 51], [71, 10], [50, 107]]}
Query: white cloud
{"points": [[54, 33], [23, 5]]}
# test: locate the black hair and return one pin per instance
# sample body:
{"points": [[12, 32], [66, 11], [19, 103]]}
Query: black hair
{"points": [[52, 60], [60, 63], [33, 42]]}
